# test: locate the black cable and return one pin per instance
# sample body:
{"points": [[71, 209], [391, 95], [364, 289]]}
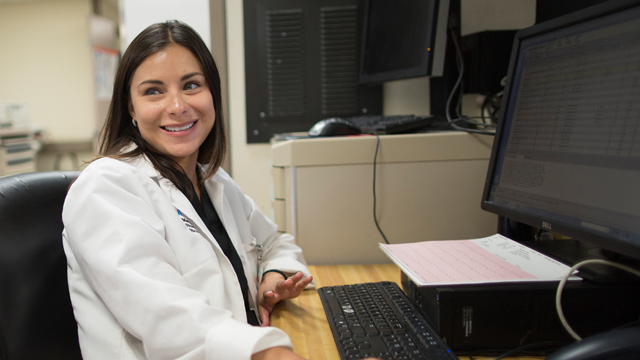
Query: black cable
{"points": [[457, 87], [467, 119], [375, 197], [491, 105], [485, 105]]}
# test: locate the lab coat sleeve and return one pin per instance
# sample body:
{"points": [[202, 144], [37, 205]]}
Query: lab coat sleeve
{"points": [[280, 250], [118, 239]]}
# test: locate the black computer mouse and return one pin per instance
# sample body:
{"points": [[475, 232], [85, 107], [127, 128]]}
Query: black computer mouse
{"points": [[616, 344], [334, 127]]}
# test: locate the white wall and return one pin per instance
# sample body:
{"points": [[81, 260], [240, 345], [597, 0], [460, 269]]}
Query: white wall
{"points": [[136, 15], [46, 63], [251, 162]]}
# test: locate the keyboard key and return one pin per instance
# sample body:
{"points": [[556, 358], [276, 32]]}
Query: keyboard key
{"points": [[392, 124], [377, 320]]}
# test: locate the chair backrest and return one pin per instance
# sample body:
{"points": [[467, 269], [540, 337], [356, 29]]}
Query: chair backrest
{"points": [[36, 317]]}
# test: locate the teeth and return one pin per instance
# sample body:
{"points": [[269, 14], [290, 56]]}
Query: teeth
{"points": [[173, 129]]}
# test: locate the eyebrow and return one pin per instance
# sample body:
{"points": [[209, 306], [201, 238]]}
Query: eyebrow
{"points": [[183, 78]]}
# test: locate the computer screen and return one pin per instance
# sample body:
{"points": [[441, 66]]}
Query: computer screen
{"points": [[403, 39], [566, 156]]}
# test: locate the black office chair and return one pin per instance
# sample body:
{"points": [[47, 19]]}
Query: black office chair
{"points": [[36, 318]]}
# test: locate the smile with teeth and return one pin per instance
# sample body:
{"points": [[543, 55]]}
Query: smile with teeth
{"points": [[181, 128]]}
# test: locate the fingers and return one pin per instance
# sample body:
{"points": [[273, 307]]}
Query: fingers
{"points": [[292, 287], [300, 285], [290, 282], [264, 314], [268, 295], [304, 282], [283, 289]]}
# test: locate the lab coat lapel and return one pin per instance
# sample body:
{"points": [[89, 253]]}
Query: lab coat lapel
{"points": [[223, 208], [177, 198], [182, 204]]}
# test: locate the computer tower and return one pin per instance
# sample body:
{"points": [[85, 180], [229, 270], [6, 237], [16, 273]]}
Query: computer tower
{"points": [[505, 316], [486, 60]]}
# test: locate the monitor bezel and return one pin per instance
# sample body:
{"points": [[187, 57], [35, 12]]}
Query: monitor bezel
{"points": [[608, 244], [432, 62]]}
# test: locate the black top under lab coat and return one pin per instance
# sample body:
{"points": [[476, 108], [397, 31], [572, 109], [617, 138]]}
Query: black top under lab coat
{"points": [[210, 217]]}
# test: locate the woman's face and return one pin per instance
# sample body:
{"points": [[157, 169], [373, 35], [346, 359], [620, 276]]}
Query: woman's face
{"points": [[172, 103]]}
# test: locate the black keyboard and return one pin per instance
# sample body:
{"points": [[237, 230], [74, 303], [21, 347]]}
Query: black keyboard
{"points": [[378, 320], [394, 124]]}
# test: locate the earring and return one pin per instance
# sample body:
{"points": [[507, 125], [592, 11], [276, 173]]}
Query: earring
{"points": [[134, 122]]}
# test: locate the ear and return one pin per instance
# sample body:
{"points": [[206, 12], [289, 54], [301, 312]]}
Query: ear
{"points": [[132, 111]]}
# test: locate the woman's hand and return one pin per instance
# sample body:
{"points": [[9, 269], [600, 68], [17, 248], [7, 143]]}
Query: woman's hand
{"points": [[274, 288]]}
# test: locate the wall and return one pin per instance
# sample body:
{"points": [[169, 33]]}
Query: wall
{"points": [[49, 68], [137, 15], [251, 162], [46, 63]]}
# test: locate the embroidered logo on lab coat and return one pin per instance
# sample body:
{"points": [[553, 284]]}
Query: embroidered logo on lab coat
{"points": [[186, 222]]}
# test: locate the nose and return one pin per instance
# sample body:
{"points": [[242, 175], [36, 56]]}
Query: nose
{"points": [[177, 104]]}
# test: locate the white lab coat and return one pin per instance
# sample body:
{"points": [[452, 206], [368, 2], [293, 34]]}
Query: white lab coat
{"points": [[146, 277]]}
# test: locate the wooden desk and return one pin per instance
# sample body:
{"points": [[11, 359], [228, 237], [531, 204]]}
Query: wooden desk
{"points": [[303, 318]]}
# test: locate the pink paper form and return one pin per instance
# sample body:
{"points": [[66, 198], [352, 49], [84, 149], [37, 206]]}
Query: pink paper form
{"points": [[469, 261]]}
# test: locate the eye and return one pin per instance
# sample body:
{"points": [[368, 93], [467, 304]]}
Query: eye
{"points": [[152, 91], [191, 85]]}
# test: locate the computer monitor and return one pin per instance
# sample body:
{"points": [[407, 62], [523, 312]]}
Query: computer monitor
{"points": [[403, 39], [566, 156]]}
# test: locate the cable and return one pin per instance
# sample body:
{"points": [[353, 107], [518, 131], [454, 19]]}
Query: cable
{"points": [[454, 90], [491, 106], [375, 197], [458, 80], [467, 120], [563, 320]]}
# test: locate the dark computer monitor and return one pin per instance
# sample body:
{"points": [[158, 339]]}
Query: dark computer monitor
{"points": [[403, 39], [566, 156]]}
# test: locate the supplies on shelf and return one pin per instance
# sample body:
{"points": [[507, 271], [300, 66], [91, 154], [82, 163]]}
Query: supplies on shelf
{"points": [[18, 147]]}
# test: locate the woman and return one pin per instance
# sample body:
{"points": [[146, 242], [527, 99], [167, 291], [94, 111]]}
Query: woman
{"points": [[167, 258]]}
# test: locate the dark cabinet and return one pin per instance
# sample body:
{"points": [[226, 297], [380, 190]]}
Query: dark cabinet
{"points": [[301, 65]]}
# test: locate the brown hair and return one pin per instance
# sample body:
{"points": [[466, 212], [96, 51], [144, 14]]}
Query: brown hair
{"points": [[119, 133]]}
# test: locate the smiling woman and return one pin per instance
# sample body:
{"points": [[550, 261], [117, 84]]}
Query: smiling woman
{"points": [[167, 257], [172, 106], [143, 79]]}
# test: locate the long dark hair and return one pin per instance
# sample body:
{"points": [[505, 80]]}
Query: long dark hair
{"points": [[118, 133]]}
